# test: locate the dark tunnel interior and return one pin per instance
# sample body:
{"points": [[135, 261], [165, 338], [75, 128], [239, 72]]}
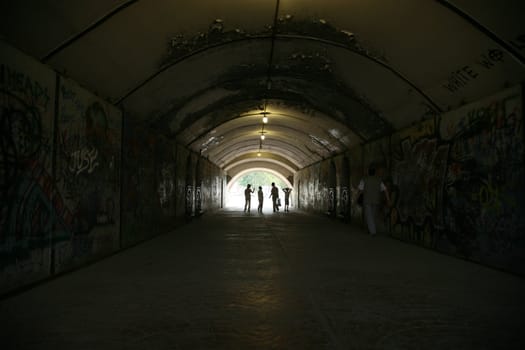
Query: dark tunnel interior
{"points": [[119, 116]]}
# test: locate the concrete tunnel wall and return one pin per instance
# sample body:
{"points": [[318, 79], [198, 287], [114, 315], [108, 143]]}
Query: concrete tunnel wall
{"points": [[78, 184], [456, 182]]}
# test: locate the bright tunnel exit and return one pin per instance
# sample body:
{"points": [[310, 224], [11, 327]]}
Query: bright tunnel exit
{"points": [[255, 177]]}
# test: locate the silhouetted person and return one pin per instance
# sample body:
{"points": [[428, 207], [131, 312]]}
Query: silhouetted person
{"points": [[261, 198], [274, 194], [287, 191], [371, 186], [248, 197]]}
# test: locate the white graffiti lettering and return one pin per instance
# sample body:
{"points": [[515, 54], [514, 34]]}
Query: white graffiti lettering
{"points": [[83, 160]]}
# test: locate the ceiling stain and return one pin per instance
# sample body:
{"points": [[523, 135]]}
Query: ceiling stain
{"points": [[181, 45]]}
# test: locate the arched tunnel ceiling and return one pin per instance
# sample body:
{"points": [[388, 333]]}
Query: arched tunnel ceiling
{"points": [[329, 74]]}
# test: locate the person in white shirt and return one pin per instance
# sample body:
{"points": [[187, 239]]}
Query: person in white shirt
{"points": [[371, 186]]}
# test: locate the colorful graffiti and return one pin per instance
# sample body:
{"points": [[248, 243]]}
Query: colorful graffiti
{"points": [[30, 208], [87, 175], [87, 152], [456, 182], [484, 182], [418, 175], [60, 169], [459, 187]]}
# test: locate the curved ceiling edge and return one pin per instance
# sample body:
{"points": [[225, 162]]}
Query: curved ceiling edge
{"points": [[515, 54], [281, 162], [259, 165], [265, 154], [234, 178], [373, 126], [353, 50], [277, 146], [87, 30]]}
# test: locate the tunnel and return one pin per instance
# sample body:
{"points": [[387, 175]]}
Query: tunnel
{"points": [[126, 126]]}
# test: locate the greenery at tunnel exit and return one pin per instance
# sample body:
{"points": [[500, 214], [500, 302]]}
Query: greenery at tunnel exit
{"points": [[260, 178]]}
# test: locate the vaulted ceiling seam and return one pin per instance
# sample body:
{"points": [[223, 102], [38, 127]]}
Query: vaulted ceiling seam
{"points": [[97, 23], [435, 106], [446, 4], [215, 126], [348, 93], [235, 163], [289, 147], [515, 54], [302, 140]]}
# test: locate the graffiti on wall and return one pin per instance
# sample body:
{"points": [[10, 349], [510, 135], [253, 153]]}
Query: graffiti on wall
{"points": [[87, 174], [189, 200], [165, 176], [28, 202], [459, 187], [465, 75], [149, 184], [356, 172], [345, 202], [484, 182], [331, 200], [377, 154], [418, 175], [166, 185], [198, 200], [137, 167], [84, 159]]}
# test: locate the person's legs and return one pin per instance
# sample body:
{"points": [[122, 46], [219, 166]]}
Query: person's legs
{"points": [[274, 202], [370, 219]]}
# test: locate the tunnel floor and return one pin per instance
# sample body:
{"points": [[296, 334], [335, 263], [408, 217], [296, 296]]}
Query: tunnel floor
{"points": [[277, 281]]}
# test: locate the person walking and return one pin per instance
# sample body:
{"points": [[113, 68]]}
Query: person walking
{"points": [[371, 187], [248, 197], [261, 198], [274, 194], [287, 191]]}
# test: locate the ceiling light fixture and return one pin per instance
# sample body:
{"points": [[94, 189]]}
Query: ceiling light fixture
{"points": [[269, 77]]}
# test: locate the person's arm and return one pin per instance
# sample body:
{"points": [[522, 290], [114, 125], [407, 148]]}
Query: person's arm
{"points": [[360, 187], [385, 191]]}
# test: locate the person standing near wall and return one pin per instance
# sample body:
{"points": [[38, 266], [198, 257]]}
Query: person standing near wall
{"points": [[287, 191], [248, 197], [261, 199], [371, 186], [274, 194]]}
